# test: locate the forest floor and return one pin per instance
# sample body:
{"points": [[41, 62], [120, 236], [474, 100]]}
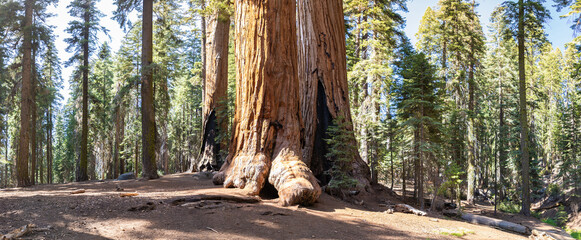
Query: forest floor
{"points": [[101, 213]]}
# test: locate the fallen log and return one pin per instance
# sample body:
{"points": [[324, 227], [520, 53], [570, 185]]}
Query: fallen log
{"points": [[404, 208], [493, 222]]}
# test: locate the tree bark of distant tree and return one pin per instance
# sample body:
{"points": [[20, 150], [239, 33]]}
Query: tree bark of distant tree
{"points": [[33, 114], [118, 163], [49, 146], [471, 131], [22, 177], [82, 174], [526, 201], [323, 84], [216, 84], [266, 133], [147, 102]]}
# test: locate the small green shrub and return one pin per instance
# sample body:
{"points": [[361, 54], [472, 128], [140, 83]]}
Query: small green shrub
{"points": [[553, 189], [550, 221], [509, 207], [576, 234]]}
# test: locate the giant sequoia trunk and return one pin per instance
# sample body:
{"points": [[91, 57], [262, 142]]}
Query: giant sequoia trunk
{"points": [[323, 83], [147, 107], [266, 131], [22, 177], [216, 83]]}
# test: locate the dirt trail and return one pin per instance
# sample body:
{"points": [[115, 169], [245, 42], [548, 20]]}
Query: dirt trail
{"points": [[100, 213]]}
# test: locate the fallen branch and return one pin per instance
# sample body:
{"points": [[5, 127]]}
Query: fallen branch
{"points": [[230, 198], [493, 222], [128, 194], [21, 231], [404, 208], [211, 229], [78, 191]]}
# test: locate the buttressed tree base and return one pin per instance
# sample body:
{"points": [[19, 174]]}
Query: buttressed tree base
{"points": [[266, 134]]}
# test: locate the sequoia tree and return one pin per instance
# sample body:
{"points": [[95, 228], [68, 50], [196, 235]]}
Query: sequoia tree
{"points": [[323, 84], [26, 102], [216, 83], [267, 124]]}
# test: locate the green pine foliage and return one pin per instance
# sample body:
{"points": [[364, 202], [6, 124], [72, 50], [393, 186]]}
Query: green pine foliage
{"points": [[341, 152]]}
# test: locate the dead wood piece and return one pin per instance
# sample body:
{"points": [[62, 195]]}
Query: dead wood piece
{"points": [[17, 233], [21, 231], [496, 223], [229, 198], [128, 194], [78, 191], [211, 229], [538, 235], [404, 208]]}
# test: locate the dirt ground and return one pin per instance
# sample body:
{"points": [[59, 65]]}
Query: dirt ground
{"points": [[100, 213]]}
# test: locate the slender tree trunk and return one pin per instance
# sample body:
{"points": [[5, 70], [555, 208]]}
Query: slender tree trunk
{"points": [[420, 161], [391, 149], [526, 201], [323, 84], [471, 132], [266, 131], [403, 176], [49, 146], [22, 176], [83, 163], [147, 100], [203, 49], [119, 134], [33, 115], [216, 84]]}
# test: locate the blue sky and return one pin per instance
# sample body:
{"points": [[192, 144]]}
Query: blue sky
{"points": [[558, 29]]}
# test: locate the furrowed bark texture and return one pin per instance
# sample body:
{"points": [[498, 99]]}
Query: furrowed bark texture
{"points": [[147, 108], [323, 83], [22, 177], [217, 33], [266, 131]]}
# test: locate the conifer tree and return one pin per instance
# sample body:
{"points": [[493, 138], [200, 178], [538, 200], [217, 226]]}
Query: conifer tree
{"points": [[81, 43]]}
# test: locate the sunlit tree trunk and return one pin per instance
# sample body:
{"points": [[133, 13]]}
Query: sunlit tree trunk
{"points": [[324, 94], [267, 125]]}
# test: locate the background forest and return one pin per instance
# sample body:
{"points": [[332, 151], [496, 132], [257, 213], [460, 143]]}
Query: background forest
{"points": [[460, 114]]}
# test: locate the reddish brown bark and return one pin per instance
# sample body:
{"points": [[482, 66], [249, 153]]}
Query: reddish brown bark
{"points": [[323, 82], [22, 177], [266, 133], [216, 84]]}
